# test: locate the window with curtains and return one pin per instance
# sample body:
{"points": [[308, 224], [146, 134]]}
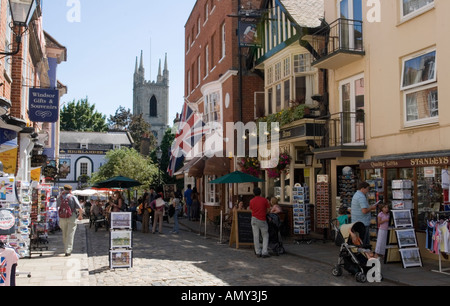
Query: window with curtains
{"points": [[411, 8], [419, 87]]}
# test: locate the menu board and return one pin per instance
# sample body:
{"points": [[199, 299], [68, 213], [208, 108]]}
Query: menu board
{"points": [[241, 229]]}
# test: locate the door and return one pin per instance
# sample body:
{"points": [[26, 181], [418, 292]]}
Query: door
{"points": [[350, 24], [352, 110]]}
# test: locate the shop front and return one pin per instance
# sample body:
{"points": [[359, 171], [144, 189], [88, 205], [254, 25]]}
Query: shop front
{"points": [[293, 181], [427, 198]]}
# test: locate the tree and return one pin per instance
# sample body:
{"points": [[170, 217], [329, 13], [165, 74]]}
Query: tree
{"points": [[127, 162], [82, 117], [166, 146], [139, 129]]}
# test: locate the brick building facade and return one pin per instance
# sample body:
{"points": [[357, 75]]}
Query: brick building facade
{"points": [[218, 86]]}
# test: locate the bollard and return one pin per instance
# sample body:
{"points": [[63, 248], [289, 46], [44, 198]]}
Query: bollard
{"points": [[221, 218], [200, 226], [206, 218]]}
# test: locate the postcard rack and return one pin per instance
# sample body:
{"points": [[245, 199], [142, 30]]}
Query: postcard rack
{"points": [[121, 241]]}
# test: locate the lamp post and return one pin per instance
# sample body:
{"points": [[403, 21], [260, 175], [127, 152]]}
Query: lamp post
{"points": [[20, 12], [158, 157]]}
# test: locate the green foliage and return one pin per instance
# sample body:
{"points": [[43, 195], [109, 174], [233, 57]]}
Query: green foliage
{"points": [[130, 163], [82, 117]]}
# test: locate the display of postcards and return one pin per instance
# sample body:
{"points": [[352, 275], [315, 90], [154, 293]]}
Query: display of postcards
{"points": [[406, 238], [299, 197], [121, 239], [405, 204], [120, 259], [410, 257], [402, 218], [401, 194], [401, 184], [121, 220]]}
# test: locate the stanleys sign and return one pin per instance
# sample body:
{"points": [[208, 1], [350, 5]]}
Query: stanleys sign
{"points": [[407, 163], [44, 105]]}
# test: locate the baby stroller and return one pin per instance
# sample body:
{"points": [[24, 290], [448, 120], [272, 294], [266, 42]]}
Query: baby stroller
{"points": [[351, 254], [275, 244]]}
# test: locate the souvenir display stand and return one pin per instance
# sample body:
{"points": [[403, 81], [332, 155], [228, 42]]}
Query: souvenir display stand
{"points": [[16, 199], [121, 241], [39, 225], [402, 241], [322, 210], [374, 196], [301, 210]]}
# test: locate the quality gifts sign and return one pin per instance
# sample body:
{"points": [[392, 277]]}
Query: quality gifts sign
{"points": [[44, 105]]}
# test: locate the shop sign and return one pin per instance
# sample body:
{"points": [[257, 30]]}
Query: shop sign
{"points": [[44, 105], [407, 163]]}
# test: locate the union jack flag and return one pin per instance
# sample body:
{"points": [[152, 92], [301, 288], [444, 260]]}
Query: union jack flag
{"points": [[190, 132], [3, 266]]}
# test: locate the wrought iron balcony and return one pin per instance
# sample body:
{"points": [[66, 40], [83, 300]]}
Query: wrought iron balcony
{"points": [[343, 136], [337, 44]]}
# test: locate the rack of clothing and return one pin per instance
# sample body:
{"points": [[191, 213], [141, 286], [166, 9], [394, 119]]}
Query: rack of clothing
{"points": [[438, 239]]}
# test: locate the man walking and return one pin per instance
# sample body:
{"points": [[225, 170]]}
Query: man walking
{"points": [[67, 205], [260, 207], [361, 210]]}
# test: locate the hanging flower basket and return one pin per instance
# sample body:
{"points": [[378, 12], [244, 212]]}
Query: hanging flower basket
{"points": [[273, 172], [284, 161], [250, 165]]}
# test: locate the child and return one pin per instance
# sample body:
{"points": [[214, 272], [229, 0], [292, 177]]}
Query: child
{"points": [[383, 223], [343, 217]]}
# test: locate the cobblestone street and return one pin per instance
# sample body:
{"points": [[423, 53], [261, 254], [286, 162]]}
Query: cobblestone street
{"points": [[193, 260]]}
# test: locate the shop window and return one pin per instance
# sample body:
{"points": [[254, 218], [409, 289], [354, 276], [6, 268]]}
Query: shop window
{"points": [[212, 190], [420, 90], [429, 194]]}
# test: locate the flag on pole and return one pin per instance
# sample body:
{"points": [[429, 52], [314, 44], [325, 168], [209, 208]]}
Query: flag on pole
{"points": [[190, 132]]}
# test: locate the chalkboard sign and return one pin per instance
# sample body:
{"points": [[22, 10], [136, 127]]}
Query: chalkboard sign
{"points": [[241, 230]]}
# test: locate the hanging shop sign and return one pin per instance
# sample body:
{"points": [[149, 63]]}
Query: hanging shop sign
{"points": [[44, 105]]}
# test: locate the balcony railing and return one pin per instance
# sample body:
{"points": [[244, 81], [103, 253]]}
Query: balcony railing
{"points": [[341, 36], [343, 131]]}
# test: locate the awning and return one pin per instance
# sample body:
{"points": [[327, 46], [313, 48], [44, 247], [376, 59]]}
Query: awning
{"points": [[188, 166], [196, 170], [217, 166]]}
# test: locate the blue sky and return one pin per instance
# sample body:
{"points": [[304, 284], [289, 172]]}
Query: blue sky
{"points": [[103, 39]]}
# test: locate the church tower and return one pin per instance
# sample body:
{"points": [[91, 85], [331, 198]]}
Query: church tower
{"points": [[151, 98]]}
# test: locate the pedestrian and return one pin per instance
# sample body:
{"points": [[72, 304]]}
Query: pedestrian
{"points": [[343, 216], [145, 212], [188, 200], [176, 202], [274, 207], [158, 207], [117, 202], [361, 210], [195, 206], [260, 207], [68, 205], [383, 223]]}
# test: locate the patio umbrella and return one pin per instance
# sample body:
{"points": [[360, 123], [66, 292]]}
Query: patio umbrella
{"points": [[118, 182], [236, 177]]}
